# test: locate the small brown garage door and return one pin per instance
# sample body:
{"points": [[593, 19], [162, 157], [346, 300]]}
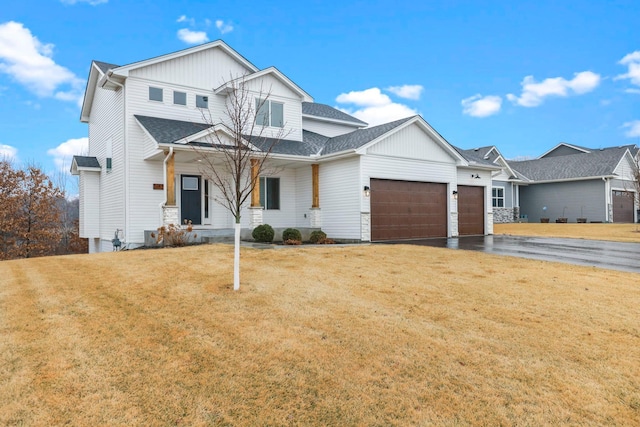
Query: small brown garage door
{"points": [[470, 210], [407, 210], [622, 206]]}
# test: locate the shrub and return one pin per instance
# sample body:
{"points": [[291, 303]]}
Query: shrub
{"points": [[292, 242], [291, 234], [263, 233], [317, 235]]}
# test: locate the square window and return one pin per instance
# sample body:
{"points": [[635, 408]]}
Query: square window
{"points": [[155, 94], [202, 101], [190, 183], [262, 112], [497, 194], [179, 98]]}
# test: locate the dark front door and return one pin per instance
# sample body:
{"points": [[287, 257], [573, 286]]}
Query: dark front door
{"points": [[190, 200]]}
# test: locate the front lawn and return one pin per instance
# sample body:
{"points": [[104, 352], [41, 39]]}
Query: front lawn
{"points": [[360, 335]]}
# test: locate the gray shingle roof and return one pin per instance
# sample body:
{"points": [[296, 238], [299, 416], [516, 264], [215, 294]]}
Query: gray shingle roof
{"points": [[86, 162], [477, 155], [172, 131], [597, 163], [105, 66], [328, 112], [167, 130]]}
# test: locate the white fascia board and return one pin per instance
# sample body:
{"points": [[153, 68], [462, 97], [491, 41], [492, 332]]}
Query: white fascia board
{"points": [[89, 92], [336, 121], [276, 73], [124, 70], [334, 156], [476, 166]]}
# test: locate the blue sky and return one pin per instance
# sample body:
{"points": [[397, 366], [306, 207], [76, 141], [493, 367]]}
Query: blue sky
{"points": [[523, 76]]}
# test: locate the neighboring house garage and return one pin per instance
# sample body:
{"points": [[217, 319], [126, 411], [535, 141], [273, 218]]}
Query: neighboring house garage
{"points": [[622, 206], [408, 210], [470, 210]]}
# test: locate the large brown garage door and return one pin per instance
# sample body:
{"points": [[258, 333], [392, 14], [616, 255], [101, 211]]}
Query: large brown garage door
{"points": [[470, 210], [622, 206], [407, 210]]}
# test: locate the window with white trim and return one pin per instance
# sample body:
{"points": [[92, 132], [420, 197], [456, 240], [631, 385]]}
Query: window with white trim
{"points": [[270, 193], [202, 101], [155, 94], [497, 194], [179, 98], [269, 113]]}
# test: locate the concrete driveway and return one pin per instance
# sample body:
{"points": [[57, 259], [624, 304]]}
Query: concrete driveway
{"points": [[611, 255]]}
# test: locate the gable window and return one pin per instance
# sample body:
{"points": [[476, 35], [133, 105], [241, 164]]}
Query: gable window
{"points": [[179, 98], [270, 193], [498, 197], [155, 94], [269, 113], [202, 101]]}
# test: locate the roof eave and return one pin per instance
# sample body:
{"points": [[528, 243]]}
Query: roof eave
{"points": [[336, 121]]}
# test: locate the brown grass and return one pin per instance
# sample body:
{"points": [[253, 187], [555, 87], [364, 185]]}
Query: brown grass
{"points": [[363, 335], [612, 232]]}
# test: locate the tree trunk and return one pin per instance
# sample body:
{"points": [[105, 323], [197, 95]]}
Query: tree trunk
{"points": [[236, 258]]}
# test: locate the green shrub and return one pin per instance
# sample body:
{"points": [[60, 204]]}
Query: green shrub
{"points": [[291, 234], [263, 233], [317, 236]]}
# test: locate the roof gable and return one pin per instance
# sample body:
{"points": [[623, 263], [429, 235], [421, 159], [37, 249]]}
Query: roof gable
{"points": [[254, 78], [564, 149]]}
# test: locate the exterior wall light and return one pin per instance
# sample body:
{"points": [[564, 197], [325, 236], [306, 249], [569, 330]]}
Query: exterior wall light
{"points": [[367, 191], [475, 176], [455, 194]]}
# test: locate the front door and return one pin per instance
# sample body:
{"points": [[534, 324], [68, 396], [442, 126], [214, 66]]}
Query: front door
{"points": [[190, 199]]}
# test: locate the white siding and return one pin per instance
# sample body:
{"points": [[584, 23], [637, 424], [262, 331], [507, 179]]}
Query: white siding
{"points": [[340, 193], [106, 123], [304, 195], [411, 142], [89, 204], [207, 69], [326, 128], [286, 215], [625, 170]]}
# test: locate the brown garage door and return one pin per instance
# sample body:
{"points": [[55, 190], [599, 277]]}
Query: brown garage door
{"points": [[470, 210], [407, 210], [622, 206]]}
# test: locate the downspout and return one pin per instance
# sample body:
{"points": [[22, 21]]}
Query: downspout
{"points": [[607, 195], [126, 156]]}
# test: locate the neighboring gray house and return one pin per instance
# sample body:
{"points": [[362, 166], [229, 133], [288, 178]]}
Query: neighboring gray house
{"points": [[570, 182], [505, 183]]}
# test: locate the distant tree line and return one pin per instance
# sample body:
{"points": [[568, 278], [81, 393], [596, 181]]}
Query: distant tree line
{"points": [[36, 219]]}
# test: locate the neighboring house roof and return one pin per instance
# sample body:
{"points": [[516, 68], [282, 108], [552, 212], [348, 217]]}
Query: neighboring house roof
{"points": [[327, 112], [597, 163], [169, 131]]}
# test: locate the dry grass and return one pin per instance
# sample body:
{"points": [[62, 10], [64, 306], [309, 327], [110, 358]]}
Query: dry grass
{"points": [[364, 335], [612, 232]]}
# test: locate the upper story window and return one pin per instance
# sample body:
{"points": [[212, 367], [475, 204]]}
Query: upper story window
{"points": [[179, 98], [155, 94], [269, 113], [270, 193], [202, 101], [498, 197]]}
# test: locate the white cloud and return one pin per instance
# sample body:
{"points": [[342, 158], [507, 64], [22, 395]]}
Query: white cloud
{"points": [[407, 91], [632, 61], [91, 2], [479, 106], [64, 152], [184, 18], [633, 129], [376, 107], [632, 90], [224, 27], [192, 37], [7, 152], [29, 62], [534, 93]]}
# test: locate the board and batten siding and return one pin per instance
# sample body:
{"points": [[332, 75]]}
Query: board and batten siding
{"points": [[586, 199], [106, 126], [326, 128], [207, 69], [340, 193]]}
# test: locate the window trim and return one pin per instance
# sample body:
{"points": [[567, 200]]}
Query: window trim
{"points": [[205, 99], [264, 193], [175, 92], [161, 94], [266, 103], [495, 198]]}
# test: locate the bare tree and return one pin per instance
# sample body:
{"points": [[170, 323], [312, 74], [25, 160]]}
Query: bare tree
{"points": [[237, 151]]}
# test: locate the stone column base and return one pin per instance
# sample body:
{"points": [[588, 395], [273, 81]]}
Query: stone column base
{"points": [[489, 223], [255, 216], [170, 215], [453, 216], [365, 226], [315, 218]]}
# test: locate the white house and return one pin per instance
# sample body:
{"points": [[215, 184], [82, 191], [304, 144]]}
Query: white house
{"points": [[399, 180]]}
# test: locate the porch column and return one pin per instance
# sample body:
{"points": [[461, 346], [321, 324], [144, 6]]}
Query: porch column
{"points": [[170, 212], [315, 214], [255, 210]]}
